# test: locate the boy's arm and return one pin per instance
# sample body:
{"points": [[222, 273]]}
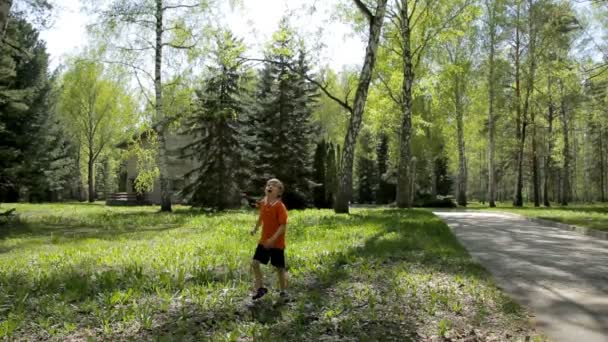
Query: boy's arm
{"points": [[273, 239], [258, 223]]}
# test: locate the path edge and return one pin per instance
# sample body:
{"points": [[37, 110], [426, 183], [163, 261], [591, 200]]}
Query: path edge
{"points": [[574, 228]]}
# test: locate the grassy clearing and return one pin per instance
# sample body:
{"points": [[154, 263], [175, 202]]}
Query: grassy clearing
{"points": [[80, 272], [585, 215]]}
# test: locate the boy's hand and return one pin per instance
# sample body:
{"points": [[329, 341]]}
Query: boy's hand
{"points": [[268, 244]]}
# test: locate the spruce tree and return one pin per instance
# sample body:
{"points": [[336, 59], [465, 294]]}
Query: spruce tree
{"points": [[214, 126], [33, 148], [281, 117]]}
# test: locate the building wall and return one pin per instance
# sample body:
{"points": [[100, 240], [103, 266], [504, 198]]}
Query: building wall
{"points": [[177, 168]]}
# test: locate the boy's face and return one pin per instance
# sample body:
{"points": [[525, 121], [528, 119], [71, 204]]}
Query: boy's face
{"points": [[273, 189]]}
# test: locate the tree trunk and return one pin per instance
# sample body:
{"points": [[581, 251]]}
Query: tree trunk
{"points": [[535, 166], [462, 162], [348, 153], [5, 9], [602, 185], [565, 176], [521, 124], [548, 164], [91, 176], [405, 153], [491, 123], [165, 196]]}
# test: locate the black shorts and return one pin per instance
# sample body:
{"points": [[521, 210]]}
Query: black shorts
{"points": [[275, 255]]}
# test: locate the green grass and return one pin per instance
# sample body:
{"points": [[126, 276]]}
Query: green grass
{"points": [[86, 271], [593, 216]]}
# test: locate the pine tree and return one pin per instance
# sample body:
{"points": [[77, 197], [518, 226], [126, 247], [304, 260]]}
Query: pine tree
{"points": [[281, 117], [214, 126], [25, 111]]}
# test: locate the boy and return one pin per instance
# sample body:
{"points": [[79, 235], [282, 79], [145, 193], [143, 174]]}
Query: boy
{"points": [[273, 219]]}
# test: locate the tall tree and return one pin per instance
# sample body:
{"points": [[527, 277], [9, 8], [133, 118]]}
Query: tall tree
{"points": [[493, 15], [214, 127], [282, 119], [24, 109], [96, 109], [375, 20], [176, 27]]}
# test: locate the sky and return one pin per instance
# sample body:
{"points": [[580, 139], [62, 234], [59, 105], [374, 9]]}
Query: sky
{"points": [[254, 21]]}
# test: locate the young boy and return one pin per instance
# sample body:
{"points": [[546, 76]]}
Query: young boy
{"points": [[273, 219]]}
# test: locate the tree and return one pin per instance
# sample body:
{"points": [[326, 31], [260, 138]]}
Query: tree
{"points": [[214, 126], [281, 117], [97, 110], [175, 27], [38, 8], [386, 192], [319, 176], [493, 16], [374, 20], [366, 167], [5, 8], [25, 109]]}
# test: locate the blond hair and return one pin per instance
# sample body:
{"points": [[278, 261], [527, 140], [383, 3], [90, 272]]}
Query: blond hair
{"points": [[278, 183]]}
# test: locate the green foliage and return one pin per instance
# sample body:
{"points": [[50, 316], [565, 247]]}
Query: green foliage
{"points": [[366, 169], [281, 119], [34, 153], [96, 109], [215, 131]]}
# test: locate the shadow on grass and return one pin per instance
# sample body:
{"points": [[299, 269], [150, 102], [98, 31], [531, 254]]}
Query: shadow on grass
{"points": [[98, 225], [397, 237], [415, 237]]}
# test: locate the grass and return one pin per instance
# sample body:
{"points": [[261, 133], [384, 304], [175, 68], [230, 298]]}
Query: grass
{"points": [[90, 272], [593, 216]]}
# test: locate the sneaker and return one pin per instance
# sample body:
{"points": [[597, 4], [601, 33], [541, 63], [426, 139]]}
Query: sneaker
{"points": [[260, 293]]}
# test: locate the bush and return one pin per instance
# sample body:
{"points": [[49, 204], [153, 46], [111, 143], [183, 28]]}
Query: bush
{"points": [[428, 201]]}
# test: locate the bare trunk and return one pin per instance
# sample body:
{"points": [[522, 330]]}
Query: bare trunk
{"points": [[565, 176], [91, 177], [5, 9], [462, 162], [602, 193], [521, 124], [535, 166], [491, 123], [165, 196], [346, 165], [548, 164], [405, 149]]}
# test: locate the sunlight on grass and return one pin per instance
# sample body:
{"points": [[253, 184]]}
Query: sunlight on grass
{"points": [[74, 271]]}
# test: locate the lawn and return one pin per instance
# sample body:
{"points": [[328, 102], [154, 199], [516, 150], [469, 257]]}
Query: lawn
{"points": [[585, 215], [91, 272]]}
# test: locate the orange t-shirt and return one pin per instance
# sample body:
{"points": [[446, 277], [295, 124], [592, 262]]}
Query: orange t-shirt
{"points": [[273, 216]]}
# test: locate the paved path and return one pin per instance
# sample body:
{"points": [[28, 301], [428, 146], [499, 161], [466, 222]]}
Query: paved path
{"points": [[560, 275]]}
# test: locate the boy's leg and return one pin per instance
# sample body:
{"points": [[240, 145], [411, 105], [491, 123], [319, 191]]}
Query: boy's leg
{"points": [[282, 273], [257, 272]]}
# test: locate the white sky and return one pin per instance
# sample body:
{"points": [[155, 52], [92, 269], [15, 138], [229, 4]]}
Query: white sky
{"points": [[254, 21]]}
